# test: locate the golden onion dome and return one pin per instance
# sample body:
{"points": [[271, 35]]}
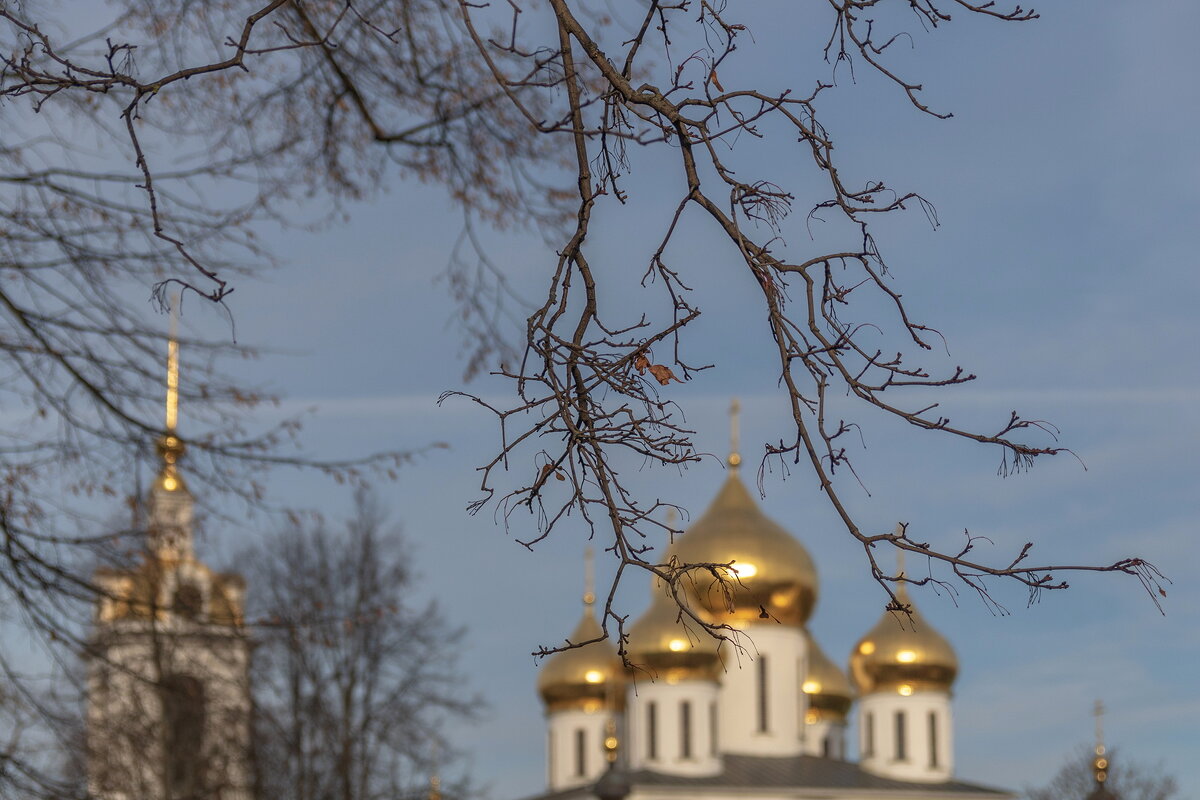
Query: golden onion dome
{"points": [[663, 647], [827, 688], [586, 678], [771, 576], [903, 654]]}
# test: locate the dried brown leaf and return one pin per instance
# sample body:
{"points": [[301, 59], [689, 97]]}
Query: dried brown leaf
{"points": [[663, 374]]}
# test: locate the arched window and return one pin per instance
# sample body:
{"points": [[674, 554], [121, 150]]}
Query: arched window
{"points": [[580, 752], [183, 728], [802, 702], [685, 729], [651, 731], [187, 602], [763, 698], [869, 735], [712, 728], [901, 744], [933, 740]]}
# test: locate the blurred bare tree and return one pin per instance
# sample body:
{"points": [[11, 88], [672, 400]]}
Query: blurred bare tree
{"points": [[353, 678], [132, 163], [1127, 780]]}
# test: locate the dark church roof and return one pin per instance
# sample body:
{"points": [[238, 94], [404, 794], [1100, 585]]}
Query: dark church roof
{"points": [[789, 772]]}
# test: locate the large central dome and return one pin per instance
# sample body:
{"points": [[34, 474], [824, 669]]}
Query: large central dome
{"points": [[771, 576]]}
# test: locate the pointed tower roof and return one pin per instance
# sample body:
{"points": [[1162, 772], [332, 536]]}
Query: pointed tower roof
{"points": [[170, 502], [170, 447], [153, 588]]}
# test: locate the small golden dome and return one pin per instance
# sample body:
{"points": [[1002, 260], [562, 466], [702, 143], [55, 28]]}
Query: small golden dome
{"points": [[772, 576], [170, 449], [663, 647], [828, 689], [903, 654], [585, 678]]}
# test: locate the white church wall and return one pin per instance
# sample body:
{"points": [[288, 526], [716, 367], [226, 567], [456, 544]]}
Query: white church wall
{"points": [[754, 723], [575, 747], [920, 748], [657, 714], [126, 732]]}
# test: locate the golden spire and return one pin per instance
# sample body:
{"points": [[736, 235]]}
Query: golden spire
{"points": [[735, 458], [1100, 763], [902, 585], [435, 780], [170, 448], [589, 578], [173, 367]]}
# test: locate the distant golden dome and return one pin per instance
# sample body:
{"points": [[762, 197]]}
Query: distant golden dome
{"points": [[581, 678], [772, 577], [828, 689], [903, 654], [170, 449], [663, 647]]}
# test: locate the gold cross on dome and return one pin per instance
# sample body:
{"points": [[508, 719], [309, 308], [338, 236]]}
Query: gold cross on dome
{"points": [[589, 577], [735, 409]]}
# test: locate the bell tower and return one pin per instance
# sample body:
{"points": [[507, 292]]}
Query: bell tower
{"points": [[168, 706]]}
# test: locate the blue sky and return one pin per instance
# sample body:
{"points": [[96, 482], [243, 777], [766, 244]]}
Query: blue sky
{"points": [[1064, 275]]}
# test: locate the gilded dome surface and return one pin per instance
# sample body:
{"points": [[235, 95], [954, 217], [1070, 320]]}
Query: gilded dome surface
{"points": [[663, 647], [583, 677], [903, 654], [828, 689], [771, 577]]}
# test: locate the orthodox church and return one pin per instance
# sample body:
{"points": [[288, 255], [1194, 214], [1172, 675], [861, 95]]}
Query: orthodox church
{"points": [[766, 721], [168, 700], [169, 709]]}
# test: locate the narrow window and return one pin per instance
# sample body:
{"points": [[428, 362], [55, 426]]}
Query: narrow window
{"points": [[184, 712], [651, 731], [685, 729], [901, 750], [580, 752], [869, 735], [801, 700], [933, 740], [827, 747], [712, 728], [762, 694]]}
